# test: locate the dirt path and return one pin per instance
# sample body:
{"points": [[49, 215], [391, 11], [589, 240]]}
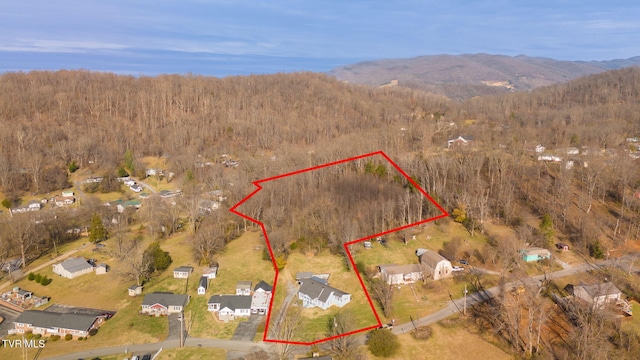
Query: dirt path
{"points": [[291, 292]]}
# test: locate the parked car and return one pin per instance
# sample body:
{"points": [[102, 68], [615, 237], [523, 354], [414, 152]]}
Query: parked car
{"points": [[463, 262], [457, 268]]}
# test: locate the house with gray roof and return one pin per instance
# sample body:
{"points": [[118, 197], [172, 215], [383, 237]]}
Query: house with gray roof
{"points": [[596, 295], [53, 323], [73, 267], [316, 294], [230, 307], [164, 303]]}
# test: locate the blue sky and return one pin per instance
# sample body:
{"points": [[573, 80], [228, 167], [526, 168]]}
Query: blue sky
{"points": [[221, 37]]}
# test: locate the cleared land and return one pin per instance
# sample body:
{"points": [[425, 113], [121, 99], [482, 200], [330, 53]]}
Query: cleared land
{"points": [[453, 342]]}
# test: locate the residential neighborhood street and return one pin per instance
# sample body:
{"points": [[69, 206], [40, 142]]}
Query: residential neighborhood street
{"points": [[229, 345], [456, 306]]}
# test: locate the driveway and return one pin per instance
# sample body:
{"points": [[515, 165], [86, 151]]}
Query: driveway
{"points": [[246, 330], [174, 328]]}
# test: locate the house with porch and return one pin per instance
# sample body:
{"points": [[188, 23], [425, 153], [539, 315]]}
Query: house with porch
{"points": [[164, 303], [229, 307], [317, 294]]}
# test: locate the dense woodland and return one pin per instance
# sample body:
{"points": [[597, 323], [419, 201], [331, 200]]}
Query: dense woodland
{"points": [[274, 124]]}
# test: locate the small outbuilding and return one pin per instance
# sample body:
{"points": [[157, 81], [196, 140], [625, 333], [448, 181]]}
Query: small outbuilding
{"points": [[203, 285], [135, 290], [182, 272], [102, 269]]}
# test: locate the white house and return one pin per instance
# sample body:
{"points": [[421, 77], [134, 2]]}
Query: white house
{"points": [[73, 267], [203, 285], [230, 307], [434, 263], [164, 303], [401, 274], [182, 272], [261, 298], [316, 294]]}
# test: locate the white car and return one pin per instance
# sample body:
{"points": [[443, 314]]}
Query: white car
{"points": [[457, 268]]}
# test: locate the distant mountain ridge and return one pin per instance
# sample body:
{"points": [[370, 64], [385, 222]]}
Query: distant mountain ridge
{"points": [[463, 76]]}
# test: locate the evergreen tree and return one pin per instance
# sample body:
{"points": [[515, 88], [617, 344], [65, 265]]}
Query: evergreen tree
{"points": [[97, 231], [157, 259]]}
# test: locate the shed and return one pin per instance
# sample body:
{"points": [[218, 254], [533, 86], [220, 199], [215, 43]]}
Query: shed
{"points": [[135, 290], [102, 269], [203, 285]]}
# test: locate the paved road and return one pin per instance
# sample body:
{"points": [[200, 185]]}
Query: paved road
{"points": [[474, 298], [229, 345]]}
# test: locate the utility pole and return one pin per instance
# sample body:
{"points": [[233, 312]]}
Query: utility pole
{"points": [[464, 311], [181, 329]]}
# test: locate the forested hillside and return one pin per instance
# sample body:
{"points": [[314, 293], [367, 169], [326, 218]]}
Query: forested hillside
{"points": [[278, 123], [554, 164]]}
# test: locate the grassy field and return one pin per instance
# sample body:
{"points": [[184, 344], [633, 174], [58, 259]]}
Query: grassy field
{"points": [[448, 343]]}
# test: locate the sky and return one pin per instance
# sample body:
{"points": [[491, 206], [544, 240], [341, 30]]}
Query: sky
{"points": [[238, 37]]}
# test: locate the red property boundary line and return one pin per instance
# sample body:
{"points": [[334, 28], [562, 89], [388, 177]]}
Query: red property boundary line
{"points": [[346, 245]]}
